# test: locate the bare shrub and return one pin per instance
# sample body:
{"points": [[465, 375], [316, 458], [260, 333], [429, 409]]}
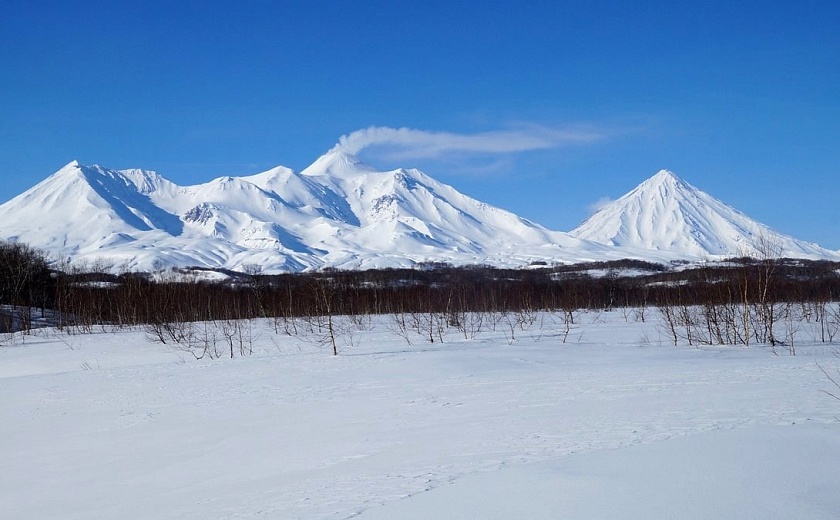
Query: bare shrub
{"points": [[833, 379]]}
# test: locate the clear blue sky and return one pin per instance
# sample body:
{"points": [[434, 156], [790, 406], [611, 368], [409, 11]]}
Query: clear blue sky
{"points": [[545, 107]]}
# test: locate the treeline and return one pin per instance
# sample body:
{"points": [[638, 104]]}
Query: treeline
{"points": [[748, 302], [131, 299], [741, 301], [26, 282]]}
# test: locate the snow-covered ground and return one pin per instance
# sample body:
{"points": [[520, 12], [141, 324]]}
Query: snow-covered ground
{"points": [[612, 424]]}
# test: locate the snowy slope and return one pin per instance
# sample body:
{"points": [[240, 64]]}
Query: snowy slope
{"points": [[665, 213], [85, 208], [338, 212], [407, 211], [342, 213]]}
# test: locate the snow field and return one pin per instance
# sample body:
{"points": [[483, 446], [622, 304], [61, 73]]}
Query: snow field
{"points": [[612, 424]]}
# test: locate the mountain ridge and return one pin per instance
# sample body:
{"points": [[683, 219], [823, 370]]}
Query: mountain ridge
{"points": [[340, 212]]}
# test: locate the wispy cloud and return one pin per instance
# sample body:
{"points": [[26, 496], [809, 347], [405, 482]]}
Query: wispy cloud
{"points": [[598, 204], [404, 143]]}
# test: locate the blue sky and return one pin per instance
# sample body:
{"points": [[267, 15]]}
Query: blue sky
{"points": [[542, 108]]}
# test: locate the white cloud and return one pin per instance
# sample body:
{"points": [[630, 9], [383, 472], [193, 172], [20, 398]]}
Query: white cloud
{"points": [[403, 143], [598, 204]]}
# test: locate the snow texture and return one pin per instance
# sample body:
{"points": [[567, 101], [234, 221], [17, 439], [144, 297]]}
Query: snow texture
{"points": [[612, 424]]}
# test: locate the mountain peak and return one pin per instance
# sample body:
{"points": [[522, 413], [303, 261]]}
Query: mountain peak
{"points": [[336, 163], [72, 166], [664, 177], [664, 188], [665, 213], [342, 213]]}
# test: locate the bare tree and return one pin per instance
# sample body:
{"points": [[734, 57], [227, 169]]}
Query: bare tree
{"points": [[835, 380]]}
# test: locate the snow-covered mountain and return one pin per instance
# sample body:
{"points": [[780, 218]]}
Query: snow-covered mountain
{"points": [[665, 213], [338, 212], [342, 213]]}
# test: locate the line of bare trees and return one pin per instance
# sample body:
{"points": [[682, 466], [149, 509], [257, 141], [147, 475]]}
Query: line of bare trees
{"points": [[26, 286], [748, 301], [741, 302], [745, 301]]}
